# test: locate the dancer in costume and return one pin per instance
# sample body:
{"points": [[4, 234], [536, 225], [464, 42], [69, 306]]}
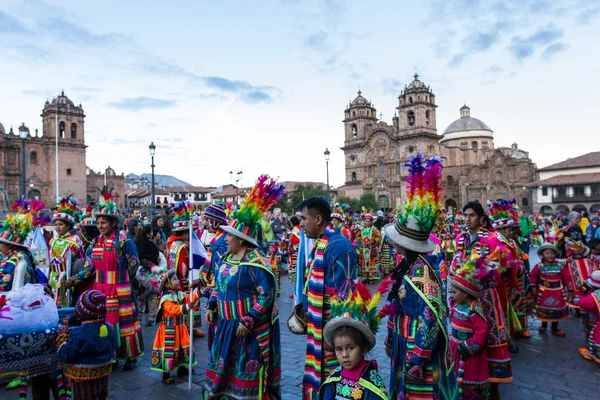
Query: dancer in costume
{"points": [[352, 335], [523, 308], [178, 256], [275, 263], [550, 285], [332, 264], [88, 231], [112, 259], [245, 359], [469, 330], [66, 248], [417, 340], [589, 301], [87, 347], [580, 267], [368, 246], [387, 259], [171, 350], [294, 246], [17, 267], [337, 220], [216, 217]]}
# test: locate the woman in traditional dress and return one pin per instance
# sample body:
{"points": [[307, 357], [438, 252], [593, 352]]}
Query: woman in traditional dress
{"points": [[65, 249], [369, 240], [245, 358], [417, 341], [112, 258]]}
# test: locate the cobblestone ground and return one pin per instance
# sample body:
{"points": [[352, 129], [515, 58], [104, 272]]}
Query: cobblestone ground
{"points": [[546, 367]]}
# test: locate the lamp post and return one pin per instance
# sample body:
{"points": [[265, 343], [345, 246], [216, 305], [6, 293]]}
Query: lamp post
{"points": [[467, 186], [152, 148], [23, 133], [327, 153], [237, 188]]}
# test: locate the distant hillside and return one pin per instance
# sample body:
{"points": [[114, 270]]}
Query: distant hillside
{"points": [[161, 180]]}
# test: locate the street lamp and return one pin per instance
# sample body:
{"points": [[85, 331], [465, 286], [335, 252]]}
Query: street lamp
{"points": [[152, 148], [327, 153], [237, 187], [467, 186], [23, 133]]}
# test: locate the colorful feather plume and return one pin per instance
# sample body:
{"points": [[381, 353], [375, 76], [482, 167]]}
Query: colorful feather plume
{"points": [[265, 193], [17, 226], [424, 191], [67, 205], [361, 304], [106, 204], [503, 213]]}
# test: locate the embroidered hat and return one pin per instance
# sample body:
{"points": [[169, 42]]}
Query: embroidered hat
{"points": [[466, 277], [91, 306], [245, 221], [87, 216], [503, 213], [338, 212], [66, 210], [358, 310], [546, 246], [106, 206], [216, 213], [576, 249], [182, 215], [418, 216], [17, 226], [594, 280]]}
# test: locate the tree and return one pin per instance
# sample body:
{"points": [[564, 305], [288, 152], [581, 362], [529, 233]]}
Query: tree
{"points": [[353, 204], [302, 192], [368, 201]]}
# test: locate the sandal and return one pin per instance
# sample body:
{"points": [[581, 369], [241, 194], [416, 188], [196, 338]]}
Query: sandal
{"points": [[542, 329], [585, 353], [559, 333], [524, 334], [168, 380]]}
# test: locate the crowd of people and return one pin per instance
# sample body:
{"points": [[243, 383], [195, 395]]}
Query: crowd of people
{"points": [[456, 291]]}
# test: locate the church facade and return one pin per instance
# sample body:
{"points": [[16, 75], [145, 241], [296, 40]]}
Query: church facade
{"points": [[474, 169], [59, 117]]}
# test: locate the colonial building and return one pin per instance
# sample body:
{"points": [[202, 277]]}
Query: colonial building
{"points": [[474, 169], [109, 180], [570, 185], [61, 118]]}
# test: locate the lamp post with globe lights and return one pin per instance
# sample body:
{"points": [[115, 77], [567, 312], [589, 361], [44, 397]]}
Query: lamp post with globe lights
{"points": [[327, 153], [152, 148]]}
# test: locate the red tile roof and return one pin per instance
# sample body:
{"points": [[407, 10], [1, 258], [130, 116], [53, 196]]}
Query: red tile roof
{"points": [[584, 161], [572, 179]]}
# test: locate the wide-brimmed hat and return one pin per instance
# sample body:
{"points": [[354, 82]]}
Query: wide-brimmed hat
{"points": [[22, 222], [107, 207], [348, 320], [418, 217], [245, 221], [594, 280], [216, 213], [546, 246], [182, 215], [337, 212], [66, 211], [503, 213], [87, 216]]}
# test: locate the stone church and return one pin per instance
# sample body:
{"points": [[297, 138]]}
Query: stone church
{"points": [[474, 169], [40, 158]]}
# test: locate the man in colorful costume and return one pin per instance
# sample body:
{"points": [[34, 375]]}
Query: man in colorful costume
{"points": [[417, 340], [178, 253], [368, 246], [66, 248], [332, 264]]}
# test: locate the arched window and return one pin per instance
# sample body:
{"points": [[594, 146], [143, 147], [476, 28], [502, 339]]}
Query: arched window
{"points": [[410, 100], [450, 180], [525, 202], [411, 118], [354, 130], [427, 117], [381, 169], [33, 159], [61, 129], [370, 171], [354, 177], [474, 145], [73, 131]]}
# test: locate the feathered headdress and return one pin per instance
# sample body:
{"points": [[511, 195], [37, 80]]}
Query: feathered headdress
{"points": [[87, 215], [66, 210], [503, 213], [26, 217], [182, 215], [338, 212], [358, 309], [420, 213], [553, 233], [106, 205], [246, 220]]}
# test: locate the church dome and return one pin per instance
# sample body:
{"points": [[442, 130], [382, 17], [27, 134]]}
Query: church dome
{"points": [[360, 101], [466, 127], [62, 100], [416, 83], [2, 130]]}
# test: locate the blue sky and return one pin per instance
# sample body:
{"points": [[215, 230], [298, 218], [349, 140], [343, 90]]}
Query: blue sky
{"points": [[261, 86]]}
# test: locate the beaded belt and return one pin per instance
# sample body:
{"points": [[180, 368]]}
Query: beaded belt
{"points": [[171, 321], [552, 284], [235, 309]]}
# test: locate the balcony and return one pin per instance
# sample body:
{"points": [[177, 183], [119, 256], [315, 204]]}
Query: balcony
{"points": [[578, 198]]}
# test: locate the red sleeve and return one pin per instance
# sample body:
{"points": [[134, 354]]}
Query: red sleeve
{"points": [[586, 302], [534, 275], [480, 334], [566, 278]]}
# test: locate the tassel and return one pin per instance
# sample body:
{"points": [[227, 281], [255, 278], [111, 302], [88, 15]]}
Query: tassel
{"points": [[103, 331]]}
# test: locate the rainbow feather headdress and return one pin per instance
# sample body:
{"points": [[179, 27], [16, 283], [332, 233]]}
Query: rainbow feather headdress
{"points": [[182, 215], [87, 216], [419, 215], [245, 221], [358, 309], [503, 213], [338, 212], [107, 206], [26, 218], [66, 210]]}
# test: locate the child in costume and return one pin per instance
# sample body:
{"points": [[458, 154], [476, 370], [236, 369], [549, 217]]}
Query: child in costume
{"points": [[88, 349], [549, 286], [352, 335], [589, 302], [171, 349], [469, 331]]}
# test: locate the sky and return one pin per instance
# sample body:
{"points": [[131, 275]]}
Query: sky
{"points": [[261, 86]]}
